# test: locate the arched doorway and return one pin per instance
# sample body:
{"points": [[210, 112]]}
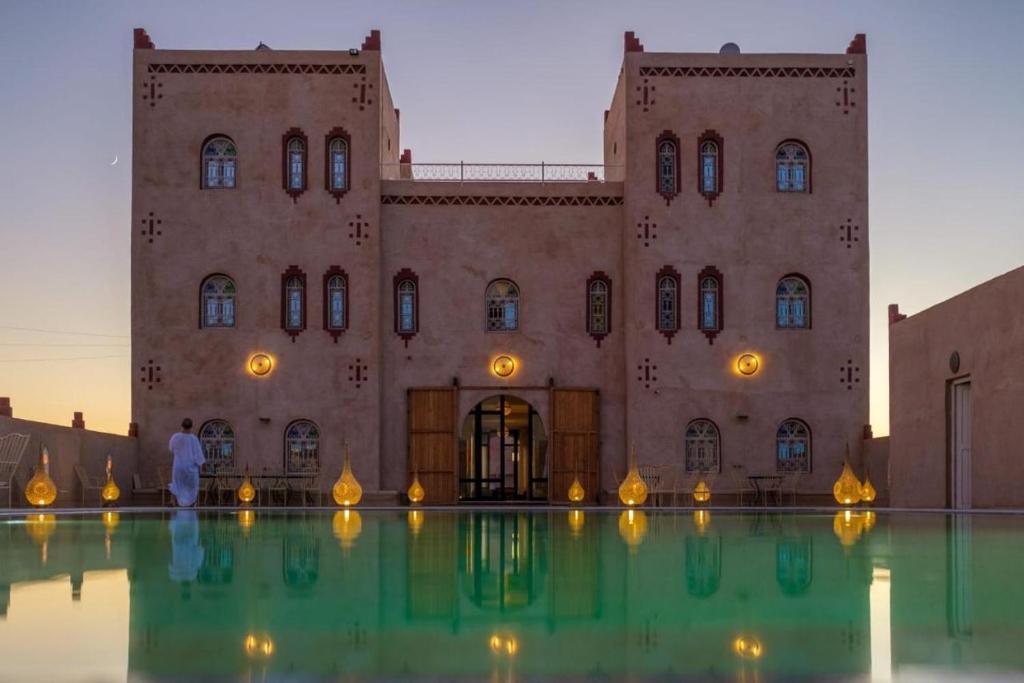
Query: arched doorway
{"points": [[503, 452]]}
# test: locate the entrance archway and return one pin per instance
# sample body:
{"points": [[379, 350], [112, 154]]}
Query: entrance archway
{"points": [[503, 452]]}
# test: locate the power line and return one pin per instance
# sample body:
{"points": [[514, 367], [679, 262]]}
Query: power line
{"points": [[46, 360], [76, 334]]}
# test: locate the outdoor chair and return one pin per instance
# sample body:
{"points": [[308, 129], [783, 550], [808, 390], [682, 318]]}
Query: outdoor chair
{"points": [[274, 486], [311, 488], [89, 483], [146, 488], [163, 475], [738, 484], [12, 448], [789, 486], [651, 474], [225, 484]]}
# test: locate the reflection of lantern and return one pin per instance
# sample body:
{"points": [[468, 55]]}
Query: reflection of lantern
{"points": [[846, 490], [40, 527], [110, 520], [110, 492], [246, 518], [633, 490], [702, 492], [701, 519], [848, 526], [633, 527], [416, 492], [40, 490], [576, 492], [246, 492], [258, 646], [576, 519], [347, 490], [869, 520], [415, 520], [867, 491], [747, 647], [504, 645], [347, 526]]}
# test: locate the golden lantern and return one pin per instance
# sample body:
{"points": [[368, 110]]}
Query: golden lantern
{"points": [[415, 521], [633, 527], [246, 492], [846, 490], [258, 646], [347, 491], [747, 364], [867, 491], [260, 364], [416, 492], [347, 526], [747, 647], [633, 489], [110, 492], [40, 490], [701, 492], [246, 518], [848, 526], [701, 520], [576, 519], [503, 366], [504, 645], [576, 492]]}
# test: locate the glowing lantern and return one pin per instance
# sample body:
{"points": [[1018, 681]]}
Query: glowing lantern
{"points": [[633, 489], [702, 492], [576, 492], [416, 492], [747, 647], [110, 492], [260, 364], [40, 490], [415, 521], [258, 646], [246, 518], [347, 526], [747, 364], [504, 645], [846, 490], [633, 527], [503, 366], [576, 519], [867, 491], [246, 492], [347, 491], [848, 527], [701, 519]]}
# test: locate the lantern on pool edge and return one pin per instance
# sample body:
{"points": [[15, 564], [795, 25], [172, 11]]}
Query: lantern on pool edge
{"points": [[40, 490], [701, 492], [347, 491], [576, 491], [110, 492], [246, 492], [867, 491], [633, 489], [847, 488], [416, 492]]}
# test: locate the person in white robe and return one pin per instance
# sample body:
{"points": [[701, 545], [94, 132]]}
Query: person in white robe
{"points": [[188, 458]]}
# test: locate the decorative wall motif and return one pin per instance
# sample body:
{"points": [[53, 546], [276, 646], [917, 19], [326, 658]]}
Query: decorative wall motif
{"points": [[151, 90], [848, 233], [361, 98], [844, 97], [316, 69], [646, 373], [849, 374], [474, 200], [647, 230], [358, 373], [151, 374], [360, 230], [645, 94], [151, 227], [749, 71]]}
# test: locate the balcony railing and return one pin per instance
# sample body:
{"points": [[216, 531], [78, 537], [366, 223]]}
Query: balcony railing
{"points": [[470, 172]]}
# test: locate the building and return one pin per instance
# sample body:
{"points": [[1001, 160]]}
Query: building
{"points": [[955, 394], [301, 289]]}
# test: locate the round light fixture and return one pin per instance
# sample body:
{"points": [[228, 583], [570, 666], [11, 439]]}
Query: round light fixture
{"points": [[503, 366], [260, 364], [747, 364]]}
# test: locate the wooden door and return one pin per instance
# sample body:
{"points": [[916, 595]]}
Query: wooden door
{"points": [[432, 420], [960, 446], [575, 442]]}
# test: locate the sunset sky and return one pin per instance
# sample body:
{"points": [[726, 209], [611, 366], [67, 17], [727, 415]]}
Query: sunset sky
{"points": [[483, 81]]}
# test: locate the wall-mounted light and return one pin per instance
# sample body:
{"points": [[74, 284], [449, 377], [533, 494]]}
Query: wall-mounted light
{"points": [[503, 366], [747, 364], [260, 364]]}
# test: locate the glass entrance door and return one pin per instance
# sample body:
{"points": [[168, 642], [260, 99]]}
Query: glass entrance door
{"points": [[503, 452]]}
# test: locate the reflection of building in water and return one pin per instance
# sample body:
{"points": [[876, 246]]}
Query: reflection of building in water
{"points": [[794, 564], [703, 564], [504, 558], [881, 625], [959, 587]]}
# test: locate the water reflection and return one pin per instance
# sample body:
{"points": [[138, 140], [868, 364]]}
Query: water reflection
{"points": [[547, 595]]}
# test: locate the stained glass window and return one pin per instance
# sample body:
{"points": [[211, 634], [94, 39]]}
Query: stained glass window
{"points": [[702, 446], [793, 447], [218, 441], [294, 300], [793, 303], [219, 160], [336, 295], [792, 167], [338, 157], [407, 307], [597, 320], [218, 301], [709, 304], [668, 302], [709, 167], [667, 159], [502, 303], [302, 448], [296, 164]]}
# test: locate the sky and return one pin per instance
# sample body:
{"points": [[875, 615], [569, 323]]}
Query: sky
{"points": [[483, 81]]}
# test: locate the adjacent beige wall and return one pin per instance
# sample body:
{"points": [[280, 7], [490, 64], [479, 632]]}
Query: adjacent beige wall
{"points": [[985, 326]]}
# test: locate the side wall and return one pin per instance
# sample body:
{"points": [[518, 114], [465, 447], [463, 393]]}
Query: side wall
{"points": [[985, 328]]}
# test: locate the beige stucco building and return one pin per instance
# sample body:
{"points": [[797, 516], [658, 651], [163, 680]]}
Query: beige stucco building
{"points": [[495, 329]]}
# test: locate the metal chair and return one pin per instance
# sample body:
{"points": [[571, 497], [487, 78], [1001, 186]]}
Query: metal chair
{"points": [[89, 483], [163, 475], [312, 488], [789, 486], [12, 448]]}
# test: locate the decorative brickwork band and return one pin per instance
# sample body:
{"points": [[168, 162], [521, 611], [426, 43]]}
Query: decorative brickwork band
{"points": [[471, 200], [142, 40], [859, 45], [749, 71], [5, 407], [273, 69], [78, 421]]}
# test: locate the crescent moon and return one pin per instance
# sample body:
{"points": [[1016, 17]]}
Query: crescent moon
{"points": [[114, 162]]}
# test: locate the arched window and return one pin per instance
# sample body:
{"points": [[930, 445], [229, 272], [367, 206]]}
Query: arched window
{"points": [[337, 172], [293, 301], [667, 150], [220, 159], [709, 167], [792, 168], [709, 291], [302, 448], [218, 441], [335, 301], [702, 447], [793, 447], [793, 303], [502, 304], [295, 156], [667, 301], [599, 306], [218, 302]]}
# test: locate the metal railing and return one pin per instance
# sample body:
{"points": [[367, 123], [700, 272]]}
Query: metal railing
{"points": [[462, 171]]}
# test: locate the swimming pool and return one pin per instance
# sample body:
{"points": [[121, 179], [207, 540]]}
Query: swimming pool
{"points": [[489, 595]]}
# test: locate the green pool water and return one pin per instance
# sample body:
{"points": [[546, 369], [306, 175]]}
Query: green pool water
{"points": [[545, 595]]}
